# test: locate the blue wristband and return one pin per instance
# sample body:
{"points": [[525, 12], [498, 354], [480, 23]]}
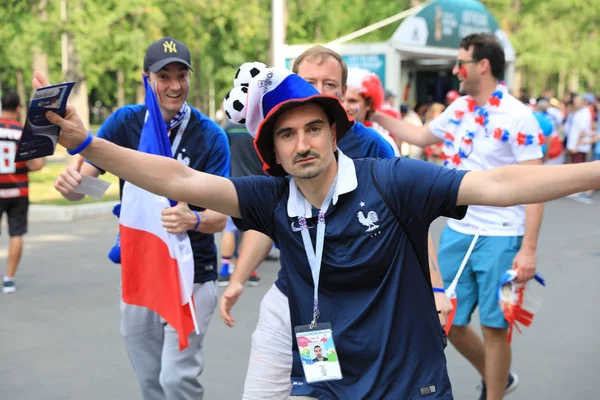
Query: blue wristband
{"points": [[82, 146], [197, 220], [438, 290]]}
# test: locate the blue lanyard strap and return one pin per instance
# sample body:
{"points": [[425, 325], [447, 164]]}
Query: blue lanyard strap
{"points": [[316, 255]]}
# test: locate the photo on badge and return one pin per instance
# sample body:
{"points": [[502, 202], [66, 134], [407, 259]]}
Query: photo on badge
{"points": [[318, 354]]}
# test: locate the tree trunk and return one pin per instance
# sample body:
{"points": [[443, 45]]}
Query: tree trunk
{"points": [[140, 94], [318, 33], [40, 59], [22, 96], [574, 81], [283, 32], [72, 72], [211, 99], [562, 83], [516, 5], [518, 82], [197, 82], [40, 62], [120, 87]]}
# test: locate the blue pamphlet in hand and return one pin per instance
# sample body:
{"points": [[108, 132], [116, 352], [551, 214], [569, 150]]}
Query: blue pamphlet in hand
{"points": [[40, 136]]}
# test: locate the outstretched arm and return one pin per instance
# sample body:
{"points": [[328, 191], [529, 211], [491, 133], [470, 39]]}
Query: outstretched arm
{"points": [[527, 184], [160, 175], [404, 132]]}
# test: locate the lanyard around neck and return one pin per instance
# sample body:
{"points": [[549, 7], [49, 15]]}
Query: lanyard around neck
{"points": [[179, 134], [315, 255]]}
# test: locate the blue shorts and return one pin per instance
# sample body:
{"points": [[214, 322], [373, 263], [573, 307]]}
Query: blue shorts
{"points": [[596, 156], [478, 284]]}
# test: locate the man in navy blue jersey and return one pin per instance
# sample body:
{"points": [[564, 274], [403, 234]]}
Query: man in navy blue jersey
{"points": [[165, 373], [270, 361], [352, 233]]}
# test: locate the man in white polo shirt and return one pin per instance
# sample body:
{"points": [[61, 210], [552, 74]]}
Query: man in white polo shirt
{"points": [[484, 130]]}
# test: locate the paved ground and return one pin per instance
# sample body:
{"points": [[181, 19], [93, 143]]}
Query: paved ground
{"points": [[59, 334]]}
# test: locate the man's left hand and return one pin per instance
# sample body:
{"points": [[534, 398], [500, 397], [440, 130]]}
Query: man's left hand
{"points": [[525, 264], [444, 307], [178, 219]]}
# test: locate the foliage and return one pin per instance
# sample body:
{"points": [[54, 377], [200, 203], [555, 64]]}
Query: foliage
{"points": [[549, 36]]}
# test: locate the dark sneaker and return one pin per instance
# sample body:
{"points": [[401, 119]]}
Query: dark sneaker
{"points": [[512, 383], [511, 386], [223, 280], [9, 287], [254, 279]]}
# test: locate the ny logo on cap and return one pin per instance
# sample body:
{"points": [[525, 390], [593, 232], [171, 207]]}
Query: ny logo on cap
{"points": [[170, 47]]}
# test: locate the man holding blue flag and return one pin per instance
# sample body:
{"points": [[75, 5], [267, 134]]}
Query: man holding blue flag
{"points": [[153, 328]]}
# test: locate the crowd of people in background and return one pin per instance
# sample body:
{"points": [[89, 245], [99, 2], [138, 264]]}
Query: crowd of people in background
{"points": [[570, 125]]}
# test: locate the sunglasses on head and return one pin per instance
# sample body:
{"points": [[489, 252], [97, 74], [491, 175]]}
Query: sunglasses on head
{"points": [[459, 63]]}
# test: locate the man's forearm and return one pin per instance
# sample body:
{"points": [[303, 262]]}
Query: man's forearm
{"points": [[533, 222], [434, 269], [165, 177], [524, 184], [211, 222], [254, 249], [404, 132]]}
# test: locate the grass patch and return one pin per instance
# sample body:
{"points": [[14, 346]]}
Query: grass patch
{"points": [[41, 187]]}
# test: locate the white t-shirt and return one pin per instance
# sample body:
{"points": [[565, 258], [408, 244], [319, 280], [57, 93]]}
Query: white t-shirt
{"points": [[510, 136], [582, 122], [556, 116]]}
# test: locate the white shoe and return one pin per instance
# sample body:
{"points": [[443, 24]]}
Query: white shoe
{"points": [[584, 198], [9, 287], [513, 382]]}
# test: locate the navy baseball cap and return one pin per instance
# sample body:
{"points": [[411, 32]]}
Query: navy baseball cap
{"points": [[165, 51]]}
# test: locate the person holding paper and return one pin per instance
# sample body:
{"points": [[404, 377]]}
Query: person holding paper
{"points": [[165, 373], [486, 129], [352, 233], [14, 185]]}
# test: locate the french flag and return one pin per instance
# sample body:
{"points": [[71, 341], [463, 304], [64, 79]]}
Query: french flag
{"points": [[157, 267]]}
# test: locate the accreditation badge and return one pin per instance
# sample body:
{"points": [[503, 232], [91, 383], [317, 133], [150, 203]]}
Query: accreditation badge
{"points": [[317, 352]]}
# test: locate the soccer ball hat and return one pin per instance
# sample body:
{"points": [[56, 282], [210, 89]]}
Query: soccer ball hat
{"points": [[258, 103]]}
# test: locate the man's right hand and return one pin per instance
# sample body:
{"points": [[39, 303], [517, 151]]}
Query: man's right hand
{"points": [[69, 179], [227, 301], [72, 130]]}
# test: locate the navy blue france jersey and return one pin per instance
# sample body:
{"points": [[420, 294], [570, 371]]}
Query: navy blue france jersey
{"points": [[203, 147], [389, 341], [359, 142]]}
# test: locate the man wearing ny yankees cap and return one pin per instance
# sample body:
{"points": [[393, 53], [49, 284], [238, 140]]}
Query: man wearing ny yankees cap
{"points": [[164, 372], [356, 285]]}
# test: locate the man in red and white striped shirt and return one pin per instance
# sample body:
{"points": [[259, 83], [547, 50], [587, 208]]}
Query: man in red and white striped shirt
{"points": [[14, 184]]}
